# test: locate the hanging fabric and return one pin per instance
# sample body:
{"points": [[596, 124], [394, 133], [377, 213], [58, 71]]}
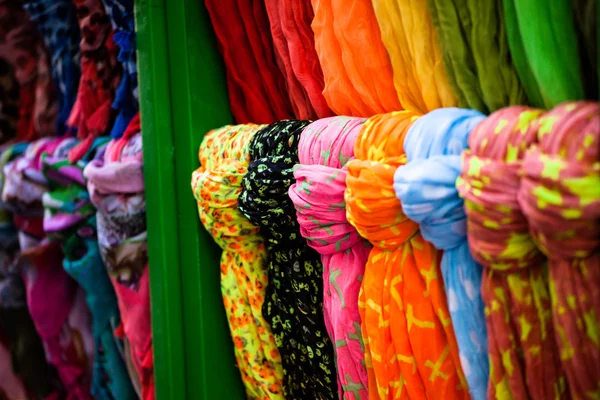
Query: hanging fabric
{"points": [[324, 149], [356, 66], [426, 188], [524, 358], [411, 41], [560, 195]]}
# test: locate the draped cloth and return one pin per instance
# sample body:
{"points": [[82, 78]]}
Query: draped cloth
{"points": [[560, 195], [524, 359], [410, 348], [358, 73], [411, 41], [473, 40], [294, 298], [318, 195], [224, 160], [257, 89], [426, 188], [294, 46]]}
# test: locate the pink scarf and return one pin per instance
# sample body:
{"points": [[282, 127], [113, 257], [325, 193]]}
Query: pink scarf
{"points": [[324, 149]]}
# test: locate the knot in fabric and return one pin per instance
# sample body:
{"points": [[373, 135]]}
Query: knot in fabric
{"points": [[560, 188], [371, 203], [498, 231], [426, 185]]}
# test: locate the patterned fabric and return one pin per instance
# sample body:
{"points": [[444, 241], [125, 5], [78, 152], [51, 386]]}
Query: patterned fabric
{"points": [[22, 46], [9, 101], [560, 195], [411, 41], [318, 195], [294, 297], [100, 75], [410, 348], [295, 54], [224, 159], [56, 22], [476, 55], [121, 16], [356, 66], [70, 218], [426, 188], [524, 359], [116, 187]]}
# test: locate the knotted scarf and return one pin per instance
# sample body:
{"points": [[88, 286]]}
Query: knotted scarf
{"points": [[64, 322], [410, 348], [473, 40], [538, 33], [411, 41], [257, 89], [318, 195], [116, 188], [100, 75], [70, 218], [426, 188], [56, 21], [560, 195], [224, 159], [358, 73], [295, 53], [294, 299], [524, 359], [121, 16], [9, 101]]}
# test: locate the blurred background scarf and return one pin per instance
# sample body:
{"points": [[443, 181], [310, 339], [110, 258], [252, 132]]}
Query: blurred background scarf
{"points": [[357, 69], [524, 358], [473, 40], [411, 41], [426, 188], [560, 195], [318, 195], [294, 299], [409, 340], [224, 160]]}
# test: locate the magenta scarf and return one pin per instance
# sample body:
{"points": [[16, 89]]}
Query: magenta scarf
{"points": [[318, 195]]}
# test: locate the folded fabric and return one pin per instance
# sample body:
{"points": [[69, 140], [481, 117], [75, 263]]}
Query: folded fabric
{"points": [[411, 41], [324, 149], [294, 298], [426, 188], [55, 20], [524, 359], [224, 159], [410, 348], [356, 66], [257, 90], [9, 101], [560, 195]]}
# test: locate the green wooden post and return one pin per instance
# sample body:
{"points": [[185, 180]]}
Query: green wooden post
{"points": [[183, 95]]}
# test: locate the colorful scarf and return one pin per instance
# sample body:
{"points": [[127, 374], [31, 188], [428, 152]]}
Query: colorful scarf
{"points": [[411, 41], [100, 75], [318, 195], [224, 159], [295, 53], [116, 188], [55, 19], [257, 89], [410, 348], [9, 101], [426, 188], [126, 104], [294, 298], [357, 69], [524, 359], [560, 195], [473, 39]]}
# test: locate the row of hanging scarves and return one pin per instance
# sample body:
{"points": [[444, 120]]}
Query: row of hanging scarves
{"points": [[74, 290], [434, 252]]}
